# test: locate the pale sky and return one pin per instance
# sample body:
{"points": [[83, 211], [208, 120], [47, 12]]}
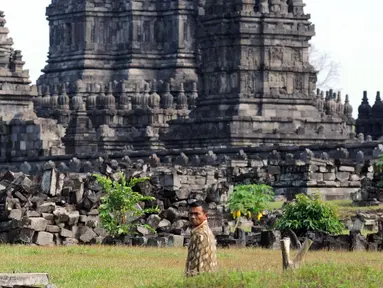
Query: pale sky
{"points": [[348, 30]]}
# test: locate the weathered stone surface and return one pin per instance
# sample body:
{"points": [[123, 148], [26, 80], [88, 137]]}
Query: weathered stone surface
{"points": [[143, 230], [153, 220], [61, 215], [24, 279], [182, 193], [180, 224], [172, 214], [49, 217], [31, 214], [47, 207], [98, 240], [274, 169], [176, 241], [172, 182], [342, 176], [100, 231], [15, 214], [271, 239], [85, 234], [70, 242], [48, 183], [53, 229], [44, 239], [95, 212], [73, 217], [38, 224], [346, 169], [139, 241], [92, 221], [4, 238], [158, 242], [22, 236], [317, 176], [66, 233], [354, 177], [164, 223], [83, 218]]}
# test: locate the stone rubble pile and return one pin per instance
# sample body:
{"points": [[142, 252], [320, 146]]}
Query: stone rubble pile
{"points": [[60, 205], [61, 208], [370, 194], [336, 176]]}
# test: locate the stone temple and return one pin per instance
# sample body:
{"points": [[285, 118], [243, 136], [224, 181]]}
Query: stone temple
{"points": [[202, 95], [370, 119], [15, 92], [160, 74]]}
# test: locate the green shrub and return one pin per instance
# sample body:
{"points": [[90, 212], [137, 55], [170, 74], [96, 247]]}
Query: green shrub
{"points": [[379, 170], [249, 199], [120, 205], [310, 214]]}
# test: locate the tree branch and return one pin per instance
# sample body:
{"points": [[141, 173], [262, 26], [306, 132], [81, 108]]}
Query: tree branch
{"points": [[328, 69]]}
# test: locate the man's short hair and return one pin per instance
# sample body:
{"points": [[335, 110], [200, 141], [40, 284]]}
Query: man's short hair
{"points": [[200, 203]]}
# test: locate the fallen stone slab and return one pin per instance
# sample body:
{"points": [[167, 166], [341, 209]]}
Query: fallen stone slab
{"points": [[44, 239], [25, 280]]}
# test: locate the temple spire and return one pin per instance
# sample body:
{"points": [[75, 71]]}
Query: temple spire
{"points": [[11, 72], [5, 43]]}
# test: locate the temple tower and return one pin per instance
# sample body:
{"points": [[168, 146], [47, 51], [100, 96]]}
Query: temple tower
{"points": [[15, 92], [113, 40], [256, 83], [370, 119]]}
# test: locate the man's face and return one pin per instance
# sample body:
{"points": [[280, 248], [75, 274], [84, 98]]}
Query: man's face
{"points": [[197, 216]]}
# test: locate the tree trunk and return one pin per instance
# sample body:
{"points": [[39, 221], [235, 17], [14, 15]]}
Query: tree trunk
{"points": [[287, 263]]}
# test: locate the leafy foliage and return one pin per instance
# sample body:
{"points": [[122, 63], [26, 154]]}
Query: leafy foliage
{"points": [[379, 170], [249, 199], [310, 214], [120, 205]]}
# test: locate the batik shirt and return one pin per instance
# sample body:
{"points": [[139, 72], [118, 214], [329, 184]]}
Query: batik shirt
{"points": [[202, 251]]}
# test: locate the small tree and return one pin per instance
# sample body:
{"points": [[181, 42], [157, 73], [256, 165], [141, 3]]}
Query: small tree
{"points": [[328, 69], [249, 200], [120, 203], [379, 170], [310, 214]]}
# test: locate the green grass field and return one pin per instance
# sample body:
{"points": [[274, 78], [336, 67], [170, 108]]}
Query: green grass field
{"points": [[97, 266], [105, 266]]}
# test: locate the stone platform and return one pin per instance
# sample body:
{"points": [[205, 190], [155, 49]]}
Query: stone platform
{"points": [[26, 280]]}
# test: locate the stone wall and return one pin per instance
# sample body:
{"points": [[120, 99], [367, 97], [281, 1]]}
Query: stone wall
{"points": [[27, 136], [337, 178], [59, 205], [357, 152]]}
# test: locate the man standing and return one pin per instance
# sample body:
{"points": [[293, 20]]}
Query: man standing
{"points": [[202, 246]]}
